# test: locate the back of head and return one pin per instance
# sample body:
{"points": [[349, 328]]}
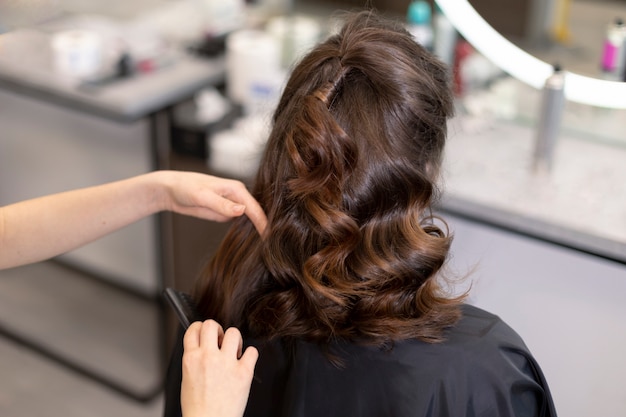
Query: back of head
{"points": [[347, 180]]}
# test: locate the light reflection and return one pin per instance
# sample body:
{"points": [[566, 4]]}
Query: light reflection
{"points": [[525, 67]]}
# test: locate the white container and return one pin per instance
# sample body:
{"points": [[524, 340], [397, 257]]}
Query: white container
{"points": [[77, 53], [296, 36], [252, 62]]}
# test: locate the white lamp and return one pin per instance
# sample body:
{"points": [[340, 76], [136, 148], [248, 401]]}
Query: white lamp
{"points": [[525, 67]]}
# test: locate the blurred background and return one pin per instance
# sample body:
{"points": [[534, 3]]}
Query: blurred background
{"points": [[92, 92]]}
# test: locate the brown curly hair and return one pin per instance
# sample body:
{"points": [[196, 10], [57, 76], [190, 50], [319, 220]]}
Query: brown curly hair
{"points": [[347, 180]]}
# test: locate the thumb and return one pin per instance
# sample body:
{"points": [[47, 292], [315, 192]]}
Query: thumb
{"points": [[249, 357], [237, 209], [229, 208]]}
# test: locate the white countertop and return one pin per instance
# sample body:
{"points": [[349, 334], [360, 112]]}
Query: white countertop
{"points": [[581, 203]]}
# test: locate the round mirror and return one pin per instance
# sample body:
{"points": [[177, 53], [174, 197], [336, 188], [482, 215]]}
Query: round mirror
{"points": [[525, 66]]}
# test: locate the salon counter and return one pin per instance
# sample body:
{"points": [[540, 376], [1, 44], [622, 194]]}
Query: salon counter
{"points": [[26, 68], [580, 204]]}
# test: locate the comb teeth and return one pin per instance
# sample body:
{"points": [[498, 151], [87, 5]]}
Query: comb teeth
{"points": [[184, 306], [191, 304]]}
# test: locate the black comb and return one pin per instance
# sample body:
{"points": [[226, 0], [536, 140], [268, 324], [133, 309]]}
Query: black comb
{"points": [[183, 305]]}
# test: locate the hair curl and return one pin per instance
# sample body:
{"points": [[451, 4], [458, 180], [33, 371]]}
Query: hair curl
{"points": [[347, 180]]}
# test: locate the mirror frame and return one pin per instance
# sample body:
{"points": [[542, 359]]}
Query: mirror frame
{"points": [[522, 65]]}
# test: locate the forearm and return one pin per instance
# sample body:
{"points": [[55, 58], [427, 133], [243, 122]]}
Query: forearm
{"points": [[40, 228], [44, 227]]}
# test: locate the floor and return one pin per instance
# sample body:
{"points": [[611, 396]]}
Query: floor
{"points": [[102, 355], [35, 386], [74, 346]]}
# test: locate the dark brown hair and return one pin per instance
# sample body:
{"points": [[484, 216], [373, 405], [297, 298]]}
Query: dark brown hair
{"points": [[347, 179]]}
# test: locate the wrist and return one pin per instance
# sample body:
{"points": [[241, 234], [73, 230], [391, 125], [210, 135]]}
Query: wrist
{"points": [[157, 186]]}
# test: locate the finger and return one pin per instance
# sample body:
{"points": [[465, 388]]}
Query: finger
{"points": [[211, 334], [233, 342], [229, 208], [257, 216], [191, 339], [209, 211], [249, 357], [238, 193]]}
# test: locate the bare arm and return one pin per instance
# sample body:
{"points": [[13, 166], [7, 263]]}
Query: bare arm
{"points": [[37, 229]]}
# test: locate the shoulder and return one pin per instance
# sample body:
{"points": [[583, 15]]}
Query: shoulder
{"points": [[478, 326], [491, 364], [479, 352], [498, 363], [479, 343], [483, 363], [482, 339]]}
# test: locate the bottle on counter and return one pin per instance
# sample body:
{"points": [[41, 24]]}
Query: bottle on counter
{"points": [[463, 50], [549, 123], [614, 51], [419, 23], [445, 37]]}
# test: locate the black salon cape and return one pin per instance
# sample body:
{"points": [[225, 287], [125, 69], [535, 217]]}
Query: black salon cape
{"points": [[483, 369]]}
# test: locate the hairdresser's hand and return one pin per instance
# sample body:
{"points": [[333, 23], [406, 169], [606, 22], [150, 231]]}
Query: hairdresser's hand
{"points": [[216, 377], [211, 198]]}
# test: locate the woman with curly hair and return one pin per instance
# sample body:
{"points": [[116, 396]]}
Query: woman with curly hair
{"points": [[343, 294]]}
